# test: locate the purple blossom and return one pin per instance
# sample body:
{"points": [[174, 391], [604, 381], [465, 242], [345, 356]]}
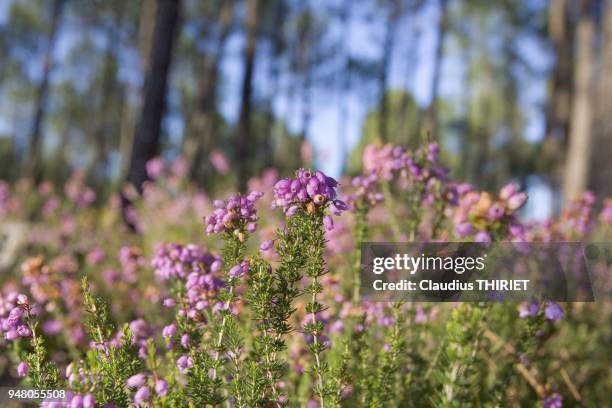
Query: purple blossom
{"points": [[52, 327], [22, 369], [508, 191], [155, 167], [177, 261], [161, 388], [185, 340], [239, 270], [266, 245], [482, 236], [495, 212], [169, 302], [553, 401], [308, 190], [553, 311], [366, 190], [137, 380], [76, 401], [517, 201], [328, 223], [169, 330], [184, 363], [89, 401], [236, 215], [528, 310], [142, 395], [463, 229]]}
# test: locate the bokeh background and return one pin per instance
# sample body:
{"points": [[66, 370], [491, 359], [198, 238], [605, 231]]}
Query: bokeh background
{"points": [[510, 89]]}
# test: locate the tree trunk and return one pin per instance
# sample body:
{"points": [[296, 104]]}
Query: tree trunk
{"points": [[31, 163], [241, 142], [551, 151], [581, 130], [106, 124], [561, 35], [202, 127], [273, 132], [146, 27], [601, 165], [431, 118], [394, 13], [148, 130]]}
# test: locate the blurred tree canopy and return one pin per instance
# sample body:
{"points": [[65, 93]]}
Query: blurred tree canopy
{"points": [[511, 89]]}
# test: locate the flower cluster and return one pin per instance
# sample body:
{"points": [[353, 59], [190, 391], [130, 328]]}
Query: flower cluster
{"points": [[421, 165], [14, 308], [606, 213], [236, 215], [195, 269], [479, 214], [177, 261], [307, 190], [383, 160], [87, 400], [143, 383], [552, 310], [576, 220], [131, 259], [231, 339], [366, 190]]}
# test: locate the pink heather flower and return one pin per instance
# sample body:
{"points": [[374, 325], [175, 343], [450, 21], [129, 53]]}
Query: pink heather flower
{"points": [[76, 401], [517, 231], [219, 161], [307, 188], [89, 401], [528, 310], [606, 212], [155, 167], [508, 191], [169, 302], [328, 223], [14, 316], [553, 401], [236, 215], [169, 330], [52, 327], [22, 299], [553, 311], [463, 229], [95, 257], [495, 212], [517, 201], [184, 363], [482, 236], [161, 388], [239, 270], [235, 271], [11, 334], [24, 331], [22, 369], [142, 395], [266, 245], [185, 340], [215, 266], [137, 380], [178, 261], [365, 190]]}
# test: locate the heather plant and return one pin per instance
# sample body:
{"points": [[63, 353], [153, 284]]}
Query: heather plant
{"points": [[260, 306]]}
